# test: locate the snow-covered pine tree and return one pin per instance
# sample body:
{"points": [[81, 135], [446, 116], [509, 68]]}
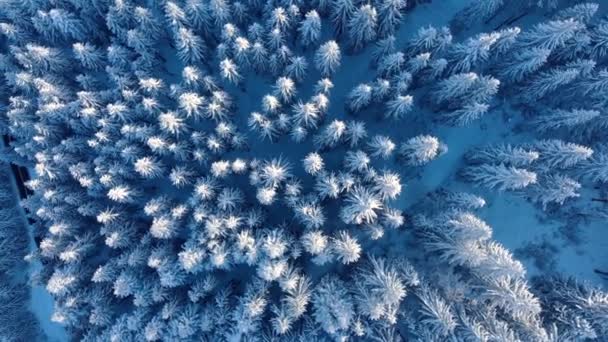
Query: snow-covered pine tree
{"points": [[327, 58], [362, 26], [463, 57], [499, 176], [421, 150], [429, 39], [560, 118], [548, 82], [341, 14], [550, 35], [503, 154], [398, 107], [467, 114], [332, 306], [454, 87], [553, 189], [559, 154], [389, 16], [476, 11], [361, 206], [310, 28], [379, 290], [523, 63]]}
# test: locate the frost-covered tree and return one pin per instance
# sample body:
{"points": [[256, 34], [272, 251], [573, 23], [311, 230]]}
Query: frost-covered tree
{"points": [[475, 51], [327, 58], [550, 35], [387, 185], [429, 39], [558, 154], [503, 154], [454, 87], [467, 114], [568, 119], [346, 248], [398, 107], [310, 28], [362, 26], [359, 97], [332, 306], [379, 290], [391, 63], [548, 82], [296, 68], [313, 163], [381, 146], [523, 63], [331, 135], [436, 314], [361, 206], [389, 16], [477, 10], [421, 150], [190, 47], [341, 13], [500, 177], [356, 161], [554, 189], [229, 71], [89, 56]]}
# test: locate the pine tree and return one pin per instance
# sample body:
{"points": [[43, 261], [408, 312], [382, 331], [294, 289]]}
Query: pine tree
{"points": [[550, 35], [362, 26], [307, 115], [89, 56], [474, 52], [346, 249], [310, 28], [341, 14], [476, 11], [381, 146], [391, 64], [554, 189], [327, 58], [389, 16], [399, 107], [382, 48], [359, 97], [569, 119], [558, 154], [548, 82], [599, 39], [581, 12], [467, 114], [379, 290], [437, 315], [387, 185], [332, 305], [523, 64], [190, 47], [500, 177], [421, 150], [331, 135], [296, 68], [429, 39], [361, 207], [454, 87], [503, 154]]}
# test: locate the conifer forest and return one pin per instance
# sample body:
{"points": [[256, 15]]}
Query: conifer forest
{"points": [[304, 170]]}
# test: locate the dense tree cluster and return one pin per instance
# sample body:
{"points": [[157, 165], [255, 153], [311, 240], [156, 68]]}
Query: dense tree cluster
{"points": [[160, 218]]}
